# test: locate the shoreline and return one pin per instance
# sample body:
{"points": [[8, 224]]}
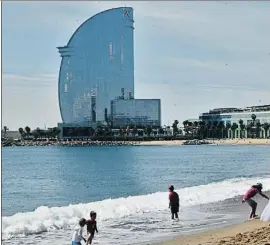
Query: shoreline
{"points": [[87, 143], [253, 232], [211, 142]]}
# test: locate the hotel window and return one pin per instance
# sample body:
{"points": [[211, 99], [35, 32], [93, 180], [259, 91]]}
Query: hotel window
{"points": [[111, 49], [122, 53]]}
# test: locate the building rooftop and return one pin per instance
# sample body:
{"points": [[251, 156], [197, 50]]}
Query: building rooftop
{"points": [[237, 110]]}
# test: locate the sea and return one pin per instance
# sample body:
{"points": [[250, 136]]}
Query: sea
{"points": [[46, 190]]}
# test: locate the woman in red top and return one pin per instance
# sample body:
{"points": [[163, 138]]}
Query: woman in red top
{"points": [[252, 192]]}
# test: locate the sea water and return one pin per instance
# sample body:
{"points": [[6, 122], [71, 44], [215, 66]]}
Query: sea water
{"points": [[45, 190]]}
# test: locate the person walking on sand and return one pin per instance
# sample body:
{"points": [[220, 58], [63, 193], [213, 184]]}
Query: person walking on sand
{"points": [[173, 202], [252, 192]]}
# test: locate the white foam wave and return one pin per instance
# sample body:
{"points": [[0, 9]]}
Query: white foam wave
{"points": [[47, 219]]}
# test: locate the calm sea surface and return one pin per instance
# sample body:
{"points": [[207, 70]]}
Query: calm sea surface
{"points": [[45, 190]]}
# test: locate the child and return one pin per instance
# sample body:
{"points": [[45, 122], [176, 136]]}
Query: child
{"points": [[250, 194], [91, 226], [77, 235], [174, 202]]}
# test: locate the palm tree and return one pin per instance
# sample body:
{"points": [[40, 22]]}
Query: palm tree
{"points": [[50, 132], [27, 130], [56, 131], [148, 130], [127, 130], [202, 129], [185, 123], [266, 127], [38, 132], [242, 127], [258, 129], [234, 127], [134, 131], [221, 127], [21, 132], [5, 131], [160, 131], [253, 117], [195, 129], [228, 127], [121, 133], [90, 132], [214, 129], [209, 128], [175, 128], [124, 132], [249, 128], [189, 128], [107, 132]]}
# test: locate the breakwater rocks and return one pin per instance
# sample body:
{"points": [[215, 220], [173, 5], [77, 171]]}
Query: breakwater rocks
{"points": [[196, 142], [69, 143]]}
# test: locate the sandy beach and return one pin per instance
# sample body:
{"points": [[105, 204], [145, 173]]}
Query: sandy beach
{"points": [[216, 142], [249, 233]]}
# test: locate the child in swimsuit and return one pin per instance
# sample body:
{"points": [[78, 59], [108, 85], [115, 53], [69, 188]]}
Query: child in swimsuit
{"points": [[173, 202], [77, 235], [91, 226]]}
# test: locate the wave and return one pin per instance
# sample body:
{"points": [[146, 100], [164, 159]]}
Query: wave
{"points": [[45, 218]]}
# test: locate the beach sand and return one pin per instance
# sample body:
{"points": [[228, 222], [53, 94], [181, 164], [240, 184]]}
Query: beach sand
{"points": [[216, 142], [252, 232]]}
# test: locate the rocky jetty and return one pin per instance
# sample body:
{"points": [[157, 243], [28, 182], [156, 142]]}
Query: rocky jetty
{"points": [[196, 142], [8, 143]]}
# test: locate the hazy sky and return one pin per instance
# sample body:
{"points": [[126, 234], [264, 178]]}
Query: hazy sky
{"points": [[192, 55]]}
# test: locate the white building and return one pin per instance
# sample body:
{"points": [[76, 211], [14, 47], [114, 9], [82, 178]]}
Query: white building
{"points": [[234, 115], [258, 114]]}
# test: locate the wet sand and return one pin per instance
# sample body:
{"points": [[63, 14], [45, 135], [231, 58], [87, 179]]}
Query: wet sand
{"points": [[249, 233]]}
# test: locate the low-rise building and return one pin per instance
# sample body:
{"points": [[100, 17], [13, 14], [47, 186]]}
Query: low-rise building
{"points": [[10, 135], [234, 115], [135, 112]]}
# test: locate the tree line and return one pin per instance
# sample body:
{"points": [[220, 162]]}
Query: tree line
{"points": [[27, 133], [197, 129], [202, 130]]}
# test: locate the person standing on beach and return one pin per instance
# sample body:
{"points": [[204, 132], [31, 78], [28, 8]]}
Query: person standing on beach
{"points": [[173, 202], [91, 226], [77, 235], [252, 192]]}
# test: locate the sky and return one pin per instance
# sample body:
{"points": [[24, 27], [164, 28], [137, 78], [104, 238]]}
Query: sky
{"points": [[194, 56]]}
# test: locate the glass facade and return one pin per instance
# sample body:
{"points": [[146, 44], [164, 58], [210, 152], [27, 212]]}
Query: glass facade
{"points": [[97, 66], [234, 117], [136, 112]]}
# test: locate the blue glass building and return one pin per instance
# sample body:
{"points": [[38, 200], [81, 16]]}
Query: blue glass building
{"points": [[136, 112], [97, 66]]}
